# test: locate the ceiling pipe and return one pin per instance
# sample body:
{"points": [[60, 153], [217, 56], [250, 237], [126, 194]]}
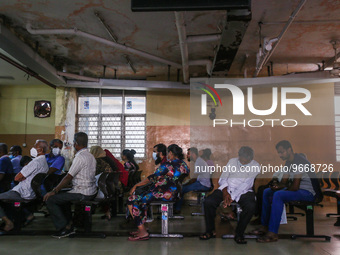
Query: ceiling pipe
{"points": [[208, 63], [182, 36], [77, 77], [26, 70], [203, 38], [268, 54], [122, 47]]}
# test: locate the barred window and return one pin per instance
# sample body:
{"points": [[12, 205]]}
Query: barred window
{"points": [[114, 122]]}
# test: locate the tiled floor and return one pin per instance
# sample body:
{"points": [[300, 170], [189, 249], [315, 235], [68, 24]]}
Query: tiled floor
{"points": [[113, 244]]}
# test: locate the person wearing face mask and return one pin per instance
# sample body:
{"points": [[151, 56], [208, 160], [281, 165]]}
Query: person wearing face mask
{"points": [[82, 175], [15, 154], [54, 159], [159, 154], [163, 188], [235, 184], [24, 190]]}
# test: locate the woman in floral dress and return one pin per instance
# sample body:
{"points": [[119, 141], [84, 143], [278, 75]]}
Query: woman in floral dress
{"points": [[163, 188]]}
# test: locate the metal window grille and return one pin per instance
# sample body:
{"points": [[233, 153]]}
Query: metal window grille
{"points": [[115, 132]]}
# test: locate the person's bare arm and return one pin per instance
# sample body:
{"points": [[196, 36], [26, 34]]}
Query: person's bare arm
{"points": [[280, 185], [63, 184], [142, 183], [19, 177], [296, 183], [226, 197], [52, 170]]}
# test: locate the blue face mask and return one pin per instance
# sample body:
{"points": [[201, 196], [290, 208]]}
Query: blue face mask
{"points": [[11, 157]]}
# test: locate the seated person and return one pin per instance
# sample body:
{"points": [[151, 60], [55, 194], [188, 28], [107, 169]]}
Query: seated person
{"points": [[102, 166], [277, 177], [206, 154], [104, 163], [6, 169], [299, 188], [163, 188], [82, 174], [24, 190], [236, 184], [54, 159], [202, 182], [15, 156], [159, 154], [130, 165], [124, 175]]}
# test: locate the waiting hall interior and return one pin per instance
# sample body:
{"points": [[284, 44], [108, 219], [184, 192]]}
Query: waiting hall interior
{"points": [[169, 127]]}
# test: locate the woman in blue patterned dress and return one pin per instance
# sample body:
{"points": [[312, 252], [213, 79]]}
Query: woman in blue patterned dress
{"points": [[163, 188]]}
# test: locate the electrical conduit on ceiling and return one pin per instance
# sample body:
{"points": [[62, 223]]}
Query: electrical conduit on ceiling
{"points": [[122, 47], [268, 54]]}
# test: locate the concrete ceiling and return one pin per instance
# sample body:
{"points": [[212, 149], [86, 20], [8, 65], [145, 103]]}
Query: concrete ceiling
{"points": [[303, 47]]}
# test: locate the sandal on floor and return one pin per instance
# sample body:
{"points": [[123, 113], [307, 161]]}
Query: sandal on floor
{"points": [[138, 238], [267, 239], [133, 233], [207, 236], [257, 232]]}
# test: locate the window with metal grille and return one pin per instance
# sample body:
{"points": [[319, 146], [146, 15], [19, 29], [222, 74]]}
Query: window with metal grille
{"points": [[337, 125], [114, 122]]}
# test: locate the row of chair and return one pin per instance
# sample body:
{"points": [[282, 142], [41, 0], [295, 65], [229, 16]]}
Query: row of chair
{"points": [[330, 183], [107, 184]]}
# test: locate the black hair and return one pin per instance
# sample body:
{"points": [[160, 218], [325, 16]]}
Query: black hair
{"points": [[25, 160], [176, 150], [194, 150], [206, 153], [130, 155], [4, 148], [284, 144], [161, 148], [246, 152], [56, 141], [16, 148], [81, 139]]}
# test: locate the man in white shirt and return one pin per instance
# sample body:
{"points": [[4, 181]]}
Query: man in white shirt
{"points": [[24, 190], [236, 184], [201, 183], [82, 175]]}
